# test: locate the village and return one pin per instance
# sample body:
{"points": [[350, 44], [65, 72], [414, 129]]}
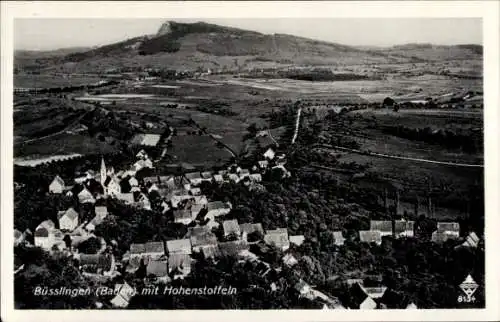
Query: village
{"points": [[168, 260]]}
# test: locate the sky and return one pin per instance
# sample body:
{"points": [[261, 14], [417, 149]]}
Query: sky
{"points": [[54, 33]]}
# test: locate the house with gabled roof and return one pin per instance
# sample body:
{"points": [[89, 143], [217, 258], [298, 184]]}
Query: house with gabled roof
{"points": [[297, 240], [370, 236], [206, 176], [289, 260], [395, 300], [175, 200], [304, 289], [97, 263], [195, 191], [68, 219], [233, 177], [375, 292], [127, 198], [48, 224], [232, 248], [183, 216], [141, 155], [472, 240], [277, 238], [211, 251], [218, 178], [231, 227], [269, 154], [18, 237], [124, 293], [85, 196], [179, 246], [57, 185], [133, 182], [217, 208], [255, 177], [263, 164], [358, 299], [101, 211], [158, 270], [200, 237], [91, 226], [445, 231], [384, 226], [179, 265], [244, 173], [149, 249], [47, 235], [200, 200]]}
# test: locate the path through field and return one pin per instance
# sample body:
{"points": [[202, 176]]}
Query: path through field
{"points": [[401, 157]]}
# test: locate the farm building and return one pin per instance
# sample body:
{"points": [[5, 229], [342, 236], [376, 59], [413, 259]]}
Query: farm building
{"points": [[57, 185], [278, 238], [68, 220]]}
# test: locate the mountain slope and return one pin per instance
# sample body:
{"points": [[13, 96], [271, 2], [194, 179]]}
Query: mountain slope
{"points": [[202, 45]]}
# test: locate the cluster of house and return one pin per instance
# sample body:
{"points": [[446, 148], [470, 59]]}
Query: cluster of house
{"points": [[403, 228]]}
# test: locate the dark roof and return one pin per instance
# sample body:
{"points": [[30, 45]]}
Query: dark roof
{"points": [[137, 248], [250, 228], [206, 175], [193, 175], [370, 236], [357, 295], [382, 225], [216, 205], [178, 260], [232, 248], [154, 247], [448, 226], [231, 227], [401, 226], [211, 251], [182, 214], [41, 232], [201, 236], [158, 268], [395, 300], [99, 260]]}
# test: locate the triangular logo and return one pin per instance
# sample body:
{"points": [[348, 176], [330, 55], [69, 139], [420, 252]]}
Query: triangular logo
{"points": [[469, 286]]}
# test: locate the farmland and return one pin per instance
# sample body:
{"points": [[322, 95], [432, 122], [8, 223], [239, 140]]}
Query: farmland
{"points": [[51, 81]]}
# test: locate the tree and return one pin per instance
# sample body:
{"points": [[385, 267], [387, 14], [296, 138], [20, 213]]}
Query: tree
{"points": [[90, 246]]}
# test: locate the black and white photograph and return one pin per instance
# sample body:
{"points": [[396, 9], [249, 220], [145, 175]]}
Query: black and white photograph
{"points": [[257, 163]]}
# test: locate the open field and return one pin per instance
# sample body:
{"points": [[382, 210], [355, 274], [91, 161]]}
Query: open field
{"points": [[63, 144], [371, 90], [197, 149], [49, 81]]}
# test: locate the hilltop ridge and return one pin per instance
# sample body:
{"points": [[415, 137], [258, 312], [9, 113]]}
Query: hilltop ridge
{"points": [[203, 45]]}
